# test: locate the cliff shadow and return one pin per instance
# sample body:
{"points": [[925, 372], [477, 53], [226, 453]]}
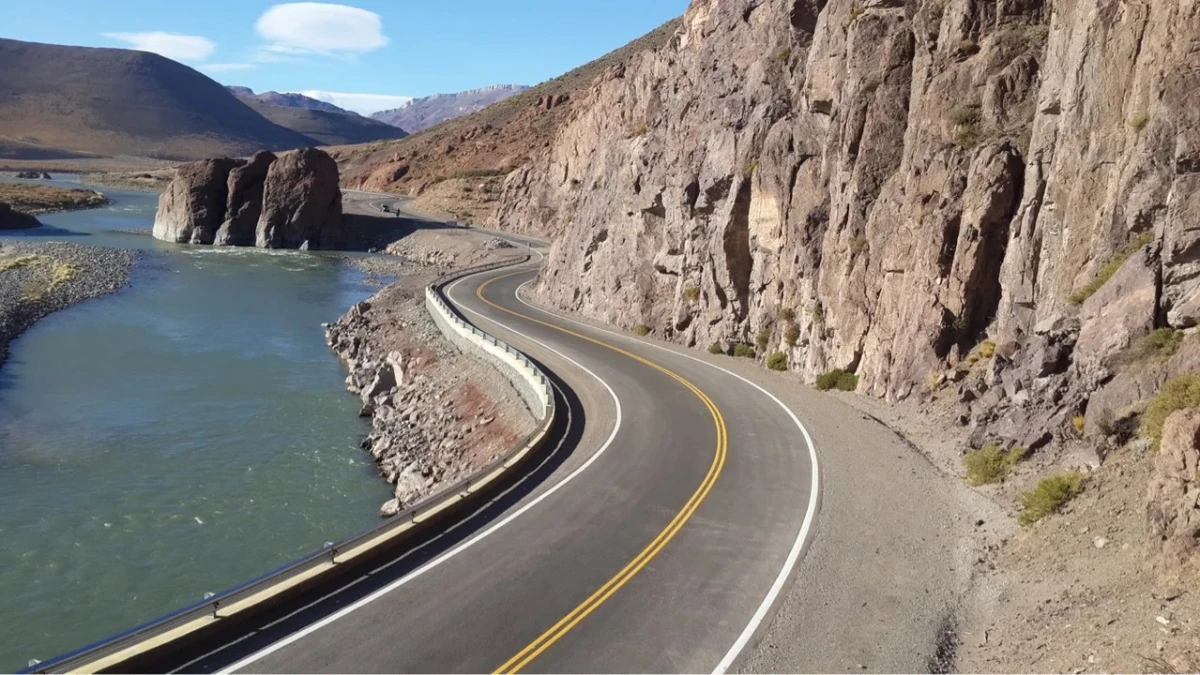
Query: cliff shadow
{"points": [[364, 232]]}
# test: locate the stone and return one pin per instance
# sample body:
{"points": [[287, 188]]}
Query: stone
{"points": [[244, 202], [192, 208], [1171, 502], [302, 202], [1121, 311], [11, 219]]}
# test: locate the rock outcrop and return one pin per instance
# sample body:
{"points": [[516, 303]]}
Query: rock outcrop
{"points": [[882, 186], [1171, 503], [302, 203], [290, 201], [15, 220], [243, 207]]}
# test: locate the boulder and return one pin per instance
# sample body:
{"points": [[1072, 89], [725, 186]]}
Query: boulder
{"points": [[192, 207], [15, 220], [243, 205], [302, 202], [1171, 509], [1121, 311]]}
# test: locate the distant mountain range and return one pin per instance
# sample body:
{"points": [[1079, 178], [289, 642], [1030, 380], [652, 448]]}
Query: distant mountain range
{"points": [[323, 122], [60, 101], [422, 113], [286, 100]]}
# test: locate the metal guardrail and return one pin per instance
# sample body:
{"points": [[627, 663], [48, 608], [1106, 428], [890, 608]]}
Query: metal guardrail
{"points": [[207, 617]]}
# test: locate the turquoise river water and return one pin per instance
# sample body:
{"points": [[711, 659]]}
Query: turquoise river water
{"points": [[173, 439]]}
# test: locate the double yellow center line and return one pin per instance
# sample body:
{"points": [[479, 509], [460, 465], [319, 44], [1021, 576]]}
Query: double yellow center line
{"points": [[564, 625]]}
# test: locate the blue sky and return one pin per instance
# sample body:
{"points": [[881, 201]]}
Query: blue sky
{"points": [[365, 54]]}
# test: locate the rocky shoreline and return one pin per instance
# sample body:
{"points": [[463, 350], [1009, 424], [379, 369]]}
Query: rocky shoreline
{"points": [[39, 279], [437, 414]]}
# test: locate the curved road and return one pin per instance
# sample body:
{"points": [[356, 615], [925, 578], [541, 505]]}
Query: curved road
{"points": [[654, 539]]}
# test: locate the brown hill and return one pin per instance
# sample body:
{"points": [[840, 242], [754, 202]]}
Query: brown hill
{"points": [[122, 102], [455, 167], [327, 128]]}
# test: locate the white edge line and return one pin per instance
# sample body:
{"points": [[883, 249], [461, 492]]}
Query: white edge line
{"points": [[312, 628], [794, 554]]}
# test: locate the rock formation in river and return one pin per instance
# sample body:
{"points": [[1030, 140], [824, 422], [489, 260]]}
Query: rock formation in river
{"points": [[15, 220], [290, 201]]}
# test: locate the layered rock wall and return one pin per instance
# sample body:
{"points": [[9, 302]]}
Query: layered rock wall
{"points": [[880, 185]]}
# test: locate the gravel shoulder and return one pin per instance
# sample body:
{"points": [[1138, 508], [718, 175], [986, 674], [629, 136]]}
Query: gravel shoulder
{"points": [[39, 279]]}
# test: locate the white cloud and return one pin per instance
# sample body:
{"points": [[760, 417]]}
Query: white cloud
{"points": [[320, 28], [171, 45], [225, 67], [359, 103]]}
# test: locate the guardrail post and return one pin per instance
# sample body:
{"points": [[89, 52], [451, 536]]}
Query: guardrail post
{"points": [[333, 552], [216, 606]]}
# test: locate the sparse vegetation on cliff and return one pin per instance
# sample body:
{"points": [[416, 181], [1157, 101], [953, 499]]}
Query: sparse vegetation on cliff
{"points": [[777, 361], [1050, 495], [641, 330], [837, 379], [1177, 394], [1080, 296], [991, 464]]}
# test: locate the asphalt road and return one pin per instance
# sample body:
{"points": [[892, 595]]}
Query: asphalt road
{"points": [[654, 539]]}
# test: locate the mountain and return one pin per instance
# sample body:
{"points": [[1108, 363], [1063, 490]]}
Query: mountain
{"points": [[325, 127], [122, 102], [422, 113], [457, 167], [286, 100]]}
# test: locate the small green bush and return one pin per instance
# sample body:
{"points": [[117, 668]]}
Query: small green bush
{"points": [[641, 330], [1178, 393], [749, 167], [837, 379], [818, 314], [716, 348], [1049, 496], [791, 334], [787, 315], [1139, 121], [859, 245], [856, 12], [991, 464], [639, 130], [967, 46], [762, 338], [1107, 272], [691, 293], [783, 55], [1160, 344], [968, 137], [479, 173], [777, 361], [744, 350]]}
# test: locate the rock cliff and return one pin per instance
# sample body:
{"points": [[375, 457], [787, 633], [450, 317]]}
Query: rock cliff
{"points": [[883, 185], [290, 201]]}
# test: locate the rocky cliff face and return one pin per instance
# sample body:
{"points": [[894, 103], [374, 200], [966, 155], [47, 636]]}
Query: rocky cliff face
{"points": [[292, 201], [881, 185]]}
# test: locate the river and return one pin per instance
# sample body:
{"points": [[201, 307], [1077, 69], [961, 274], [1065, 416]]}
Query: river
{"points": [[175, 438]]}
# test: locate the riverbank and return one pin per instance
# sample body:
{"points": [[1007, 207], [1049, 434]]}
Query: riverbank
{"points": [[39, 279], [36, 199], [437, 414]]}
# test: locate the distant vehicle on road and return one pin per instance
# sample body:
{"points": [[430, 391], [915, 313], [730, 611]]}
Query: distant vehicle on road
{"points": [[385, 208]]}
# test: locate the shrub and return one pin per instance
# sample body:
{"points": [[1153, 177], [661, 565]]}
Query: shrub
{"points": [[818, 314], [479, 173], [716, 348], [991, 464], [1159, 344], [749, 167], [744, 350], [856, 12], [791, 334], [1077, 423], [987, 349], [639, 130], [778, 361], [837, 379], [1178, 393], [787, 315], [966, 115], [871, 84], [1049, 496], [691, 293], [1107, 272], [859, 245], [1139, 121], [641, 330], [783, 54], [762, 338], [968, 137], [967, 47]]}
